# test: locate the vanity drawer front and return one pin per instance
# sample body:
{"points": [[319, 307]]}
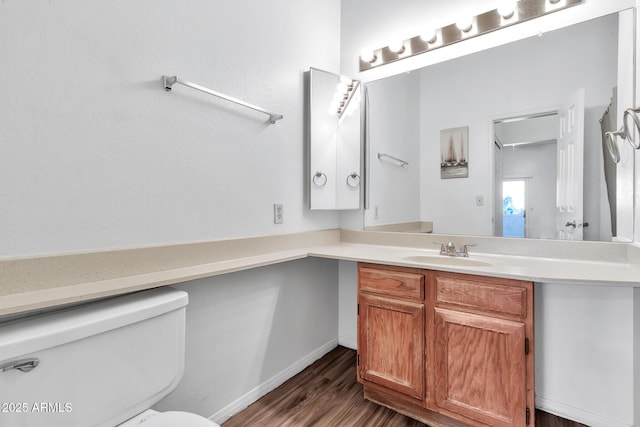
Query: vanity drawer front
{"points": [[497, 296], [397, 281]]}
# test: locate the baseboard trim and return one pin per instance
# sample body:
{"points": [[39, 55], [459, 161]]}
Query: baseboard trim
{"points": [[575, 414], [348, 343], [272, 383]]}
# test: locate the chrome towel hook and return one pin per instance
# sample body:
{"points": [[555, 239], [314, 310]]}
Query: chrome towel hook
{"points": [[353, 180], [319, 179], [628, 131], [633, 113]]}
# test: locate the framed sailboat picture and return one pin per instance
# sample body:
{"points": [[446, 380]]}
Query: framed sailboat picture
{"points": [[454, 153]]}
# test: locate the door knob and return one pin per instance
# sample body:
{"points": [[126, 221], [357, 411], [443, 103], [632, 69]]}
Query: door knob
{"points": [[574, 225]]}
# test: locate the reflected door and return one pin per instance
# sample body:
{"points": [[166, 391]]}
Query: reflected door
{"points": [[497, 190], [569, 179]]}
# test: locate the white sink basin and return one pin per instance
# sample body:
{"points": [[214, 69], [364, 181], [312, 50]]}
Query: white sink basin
{"points": [[446, 260]]}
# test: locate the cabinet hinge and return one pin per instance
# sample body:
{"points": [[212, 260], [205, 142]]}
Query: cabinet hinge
{"points": [[528, 416], [358, 309], [358, 360], [526, 346]]}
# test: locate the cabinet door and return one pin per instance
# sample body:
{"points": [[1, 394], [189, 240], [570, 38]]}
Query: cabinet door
{"points": [[391, 344], [479, 364]]}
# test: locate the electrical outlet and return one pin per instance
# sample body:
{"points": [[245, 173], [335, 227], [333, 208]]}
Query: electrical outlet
{"points": [[278, 213], [479, 200]]}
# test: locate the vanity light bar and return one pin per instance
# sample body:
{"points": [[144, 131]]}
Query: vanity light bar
{"points": [[345, 92], [523, 10], [348, 97]]}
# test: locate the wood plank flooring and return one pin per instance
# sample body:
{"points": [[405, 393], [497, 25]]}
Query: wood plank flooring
{"points": [[326, 394]]}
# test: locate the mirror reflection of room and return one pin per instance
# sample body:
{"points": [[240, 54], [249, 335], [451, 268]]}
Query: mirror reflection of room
{"points": [[527, 78]]}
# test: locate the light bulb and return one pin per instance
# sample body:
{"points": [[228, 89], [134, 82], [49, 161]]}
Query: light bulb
{"points": [[368, 55], [465, 24], [342, 87], [346, 80], [396, 46], [429, 36], [507, 8]]}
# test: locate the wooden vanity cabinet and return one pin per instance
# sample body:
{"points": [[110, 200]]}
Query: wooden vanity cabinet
{"points": [[482, 349], [391, 326], [447, 349]]}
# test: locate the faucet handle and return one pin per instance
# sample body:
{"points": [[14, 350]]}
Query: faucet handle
{"points": [[464, 251], [443, 249]]}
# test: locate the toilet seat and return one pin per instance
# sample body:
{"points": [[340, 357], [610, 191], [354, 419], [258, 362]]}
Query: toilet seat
{"points": [[151, 418]]}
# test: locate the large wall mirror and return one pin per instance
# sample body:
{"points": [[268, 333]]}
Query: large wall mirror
{"points": [[484, 138], [334, 150]]}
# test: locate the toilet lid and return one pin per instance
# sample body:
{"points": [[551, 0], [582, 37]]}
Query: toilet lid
{"points": [[177, 418]]}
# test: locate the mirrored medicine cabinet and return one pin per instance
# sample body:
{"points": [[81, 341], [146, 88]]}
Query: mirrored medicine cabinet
{"points": [[334, 148]]}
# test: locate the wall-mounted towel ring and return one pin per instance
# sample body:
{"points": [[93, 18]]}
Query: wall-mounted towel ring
{"points": [[353, 180], [612, 146], [319, 179], [634, 130], [630, 130]]}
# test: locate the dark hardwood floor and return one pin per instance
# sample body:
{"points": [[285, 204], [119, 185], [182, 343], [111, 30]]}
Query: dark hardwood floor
{"points": [[327, 394], [324, 394]]}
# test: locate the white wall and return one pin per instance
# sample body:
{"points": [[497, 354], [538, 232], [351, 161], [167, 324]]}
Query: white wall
{"points": [[585, 353], [636, 184], [626, 215], [537, 165], [94, 154], [394, 129], [348, 304], [636, 351], [247, 332]]}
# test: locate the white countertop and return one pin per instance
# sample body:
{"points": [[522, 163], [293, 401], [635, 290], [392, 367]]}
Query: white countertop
{"points": [[537, 269], [31, 283]]}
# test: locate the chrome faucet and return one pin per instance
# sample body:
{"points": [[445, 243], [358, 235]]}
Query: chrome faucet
{"points": [[449, 249], [465, 250]]}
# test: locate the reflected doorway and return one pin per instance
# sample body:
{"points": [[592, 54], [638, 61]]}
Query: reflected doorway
{"points": [[550, 153], [525, 154], [514, 212]]}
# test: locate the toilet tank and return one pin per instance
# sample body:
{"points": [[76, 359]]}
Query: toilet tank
{"points": [[98, 364]]}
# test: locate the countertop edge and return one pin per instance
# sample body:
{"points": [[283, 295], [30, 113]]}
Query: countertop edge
{"points": [[535, 270], [329, 244], [57, 296]]}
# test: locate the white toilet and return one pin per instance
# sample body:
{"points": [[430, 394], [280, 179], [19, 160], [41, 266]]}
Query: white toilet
{"points": [[101, 364]]}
